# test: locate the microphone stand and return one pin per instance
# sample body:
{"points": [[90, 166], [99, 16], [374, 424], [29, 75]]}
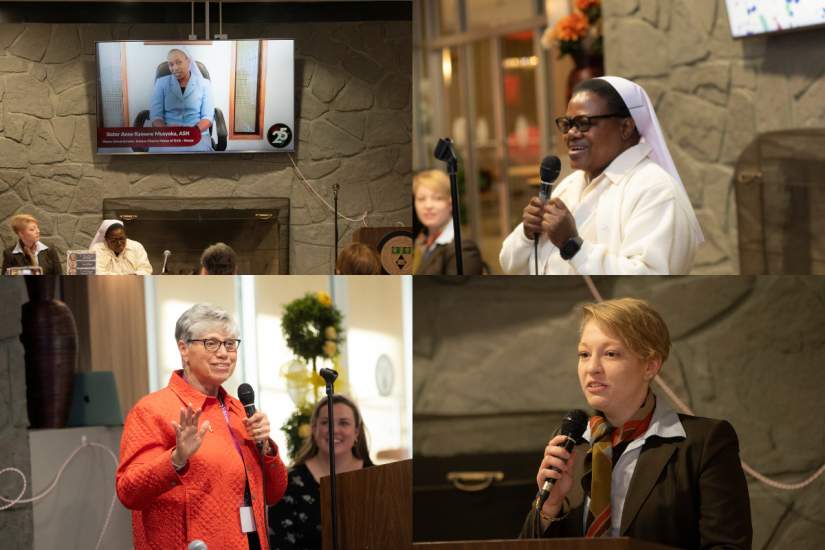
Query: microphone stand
{"points": [[329, 376], [444, 152], [335, 188]]}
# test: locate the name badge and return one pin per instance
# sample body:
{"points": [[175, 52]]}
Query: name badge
{"points": [[247, 520]]}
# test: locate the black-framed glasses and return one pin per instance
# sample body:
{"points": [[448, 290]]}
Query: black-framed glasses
{"points": [[213, 344], [582, 122], [116, 239]]}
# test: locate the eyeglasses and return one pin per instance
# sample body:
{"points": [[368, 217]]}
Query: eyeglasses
{"points": [[582, 122], [116, 239], [213, 344]]}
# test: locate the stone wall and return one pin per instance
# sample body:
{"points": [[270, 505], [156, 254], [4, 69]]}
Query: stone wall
{"points": [[714, 95], [16, 525], [495, 369], [353, 120]]}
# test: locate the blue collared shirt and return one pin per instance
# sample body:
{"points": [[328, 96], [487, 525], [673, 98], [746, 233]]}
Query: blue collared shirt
{"points": [[178, 108]]}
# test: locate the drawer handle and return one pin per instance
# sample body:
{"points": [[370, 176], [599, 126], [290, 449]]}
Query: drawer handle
{"points": [[472, 482]]}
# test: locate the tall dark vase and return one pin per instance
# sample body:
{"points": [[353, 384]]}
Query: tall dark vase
{"points": [[50, 342], [587, 67]]}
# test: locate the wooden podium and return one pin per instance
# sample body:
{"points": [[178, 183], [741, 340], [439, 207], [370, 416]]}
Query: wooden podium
{"points": [[374, 508], [622, 543], [375, 513]]}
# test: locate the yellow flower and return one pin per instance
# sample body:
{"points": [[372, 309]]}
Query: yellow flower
{"points": [[330, 333], [330, 348], [324, 298], [304, 431]]}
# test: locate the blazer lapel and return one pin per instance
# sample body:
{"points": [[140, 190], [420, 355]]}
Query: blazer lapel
{"points": [[652, 461], [431, 258]]}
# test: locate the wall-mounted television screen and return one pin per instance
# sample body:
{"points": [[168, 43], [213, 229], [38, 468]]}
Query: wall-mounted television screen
{"points": [[214, 97], [749, 17]]}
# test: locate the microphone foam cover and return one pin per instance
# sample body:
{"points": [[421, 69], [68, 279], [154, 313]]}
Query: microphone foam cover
{"points": [[246, 394], [574, 423], [550, 168]]}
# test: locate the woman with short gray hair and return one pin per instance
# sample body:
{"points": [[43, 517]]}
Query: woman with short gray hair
{"points": [[190, 466]]}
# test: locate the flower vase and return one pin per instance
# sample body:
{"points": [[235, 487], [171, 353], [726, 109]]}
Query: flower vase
{"points": [[49, 339], [587, 66]]}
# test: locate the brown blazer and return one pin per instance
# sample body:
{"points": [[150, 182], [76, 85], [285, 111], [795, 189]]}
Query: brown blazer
{"points": [[685, 492], [48, 260], [441, 261]]}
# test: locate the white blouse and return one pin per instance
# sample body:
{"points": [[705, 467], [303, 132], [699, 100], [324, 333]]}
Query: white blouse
{"points": [[630, 218]]}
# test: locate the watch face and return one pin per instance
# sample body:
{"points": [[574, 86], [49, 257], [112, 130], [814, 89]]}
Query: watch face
{"points": [[570, 247]]}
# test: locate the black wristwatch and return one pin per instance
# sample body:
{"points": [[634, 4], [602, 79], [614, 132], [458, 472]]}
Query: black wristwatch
{"points": [[570, 247]]}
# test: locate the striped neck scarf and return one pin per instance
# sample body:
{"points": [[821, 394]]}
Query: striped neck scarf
{"points": [[599, 461]]}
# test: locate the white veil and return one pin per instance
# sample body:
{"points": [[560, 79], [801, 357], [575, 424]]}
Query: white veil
{"points": [[194, 69], [100, 236], [641, 109]]}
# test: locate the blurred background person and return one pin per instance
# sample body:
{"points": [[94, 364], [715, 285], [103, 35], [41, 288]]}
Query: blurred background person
{"points": [[358, 259], [646, 471], [29, 251], [434, 249], [624, 211], [296, 519], [189, 465], [219, 259], [116, 254]]}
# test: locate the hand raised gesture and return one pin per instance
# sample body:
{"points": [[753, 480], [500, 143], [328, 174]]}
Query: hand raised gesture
{"points": [[188, 437]]}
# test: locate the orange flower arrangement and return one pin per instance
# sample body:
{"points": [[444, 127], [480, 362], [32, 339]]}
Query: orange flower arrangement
{"points": [[571, 28], [578, 33], [584, 5]]}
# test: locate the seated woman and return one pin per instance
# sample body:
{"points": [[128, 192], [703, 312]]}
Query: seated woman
{"points": [[624, 211], [434, 249], [117, 255], [189, 465], [183, 98], [296, 519], [663, 477], [29, 251]]}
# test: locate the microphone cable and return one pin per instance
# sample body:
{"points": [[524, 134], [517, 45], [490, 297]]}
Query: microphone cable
{"points": [[20, 500]]}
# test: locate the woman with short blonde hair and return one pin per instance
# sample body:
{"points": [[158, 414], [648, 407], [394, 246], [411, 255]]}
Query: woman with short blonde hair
{"points": [[29, 251], [434, 249], [640, 469]]}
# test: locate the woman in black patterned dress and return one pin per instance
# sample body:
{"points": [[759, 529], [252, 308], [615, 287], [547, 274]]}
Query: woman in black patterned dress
{"points": [[296, 520]]}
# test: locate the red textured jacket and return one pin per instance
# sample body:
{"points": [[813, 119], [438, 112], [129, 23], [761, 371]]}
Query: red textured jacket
{"points": [[171, 509]]}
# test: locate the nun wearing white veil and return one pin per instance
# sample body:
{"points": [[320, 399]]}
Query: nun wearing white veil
{"points": [[183, 98], [624, 211], [117, 255]]}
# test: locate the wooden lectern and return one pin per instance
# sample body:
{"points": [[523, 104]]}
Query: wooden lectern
{"points": [[375, 513], [374, 508], [622, 543]]}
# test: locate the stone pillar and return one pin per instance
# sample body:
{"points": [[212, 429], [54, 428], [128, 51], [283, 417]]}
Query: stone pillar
{"points": [[713, 96]]}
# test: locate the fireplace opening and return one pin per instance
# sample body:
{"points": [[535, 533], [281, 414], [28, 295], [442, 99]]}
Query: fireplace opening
{"points": [[256, 228]]}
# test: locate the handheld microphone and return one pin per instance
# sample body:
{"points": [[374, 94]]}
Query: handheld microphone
{"points": [[573, 426], [246, 395], [549, 171], [197, 544], [166, 254]]}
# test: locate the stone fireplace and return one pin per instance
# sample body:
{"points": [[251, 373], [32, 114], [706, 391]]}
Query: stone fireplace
{"points": [[353, 128], [256, 228]]}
